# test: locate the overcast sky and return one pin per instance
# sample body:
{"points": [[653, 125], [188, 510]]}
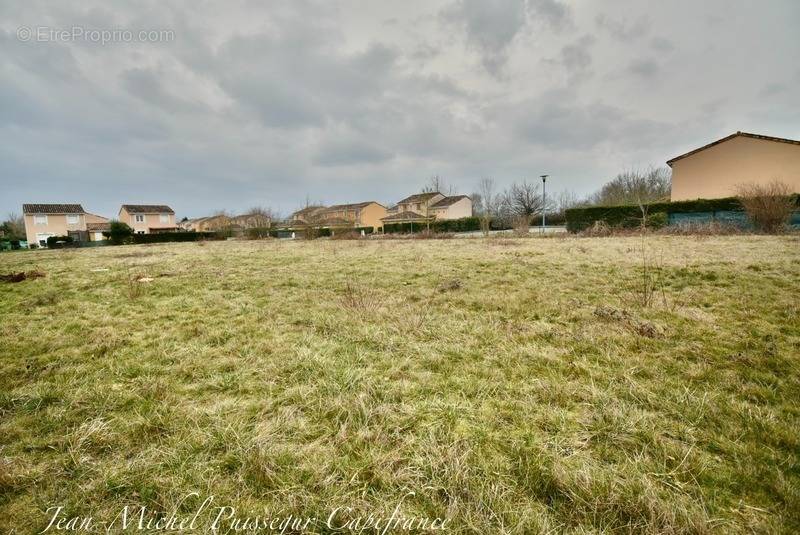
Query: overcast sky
{"points": [[266, 103]]}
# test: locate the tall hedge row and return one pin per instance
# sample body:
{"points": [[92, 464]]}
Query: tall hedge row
{"points": [[465, 224], [579, 219], [173, 237], [630, 216]]}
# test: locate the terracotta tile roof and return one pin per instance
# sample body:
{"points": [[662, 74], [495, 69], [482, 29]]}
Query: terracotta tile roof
{"points": [[403, 216], [419, 197], [447, 201], [737, 134], [147, 209], [52, 209], [97, 227]]}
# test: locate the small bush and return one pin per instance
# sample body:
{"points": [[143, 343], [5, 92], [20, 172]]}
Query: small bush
{"points": [[118, 232], [657, 220], [769, 206], [59, 241]]}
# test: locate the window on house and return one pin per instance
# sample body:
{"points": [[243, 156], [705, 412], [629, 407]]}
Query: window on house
{"points": [[72, 220], [164, 218], [139, 218], [40, 219]]}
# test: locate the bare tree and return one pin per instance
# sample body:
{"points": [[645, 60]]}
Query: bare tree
{"points": [[769, 206], [524, 199], [489, 202], [564, 200], [437, 184], [635, 187], [260, 216], [14, 225]]}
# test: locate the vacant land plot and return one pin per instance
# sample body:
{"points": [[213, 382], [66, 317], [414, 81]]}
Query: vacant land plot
{"points": [[514, 386]]}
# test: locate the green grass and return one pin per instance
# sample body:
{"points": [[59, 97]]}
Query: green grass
{"points": [[514, 386]]}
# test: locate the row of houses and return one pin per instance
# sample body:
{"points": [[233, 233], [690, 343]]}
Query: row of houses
{"points": [[420, 207], [43, 221]]}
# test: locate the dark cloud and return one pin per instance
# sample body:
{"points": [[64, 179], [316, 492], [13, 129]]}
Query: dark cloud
{"points": [[490, 26], [643, 67], [576, 57], [624, 30]]}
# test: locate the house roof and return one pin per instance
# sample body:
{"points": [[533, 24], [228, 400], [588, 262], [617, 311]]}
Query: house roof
{"points": [[352, 206], [147, 208], [308, 210], [403, 216], [419, 197], [726, 138], [52, 209], [98, 226], [447, 201]]}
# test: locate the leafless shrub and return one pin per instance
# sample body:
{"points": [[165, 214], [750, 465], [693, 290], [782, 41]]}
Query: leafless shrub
{"points": [[347, 235], [769, 206], [598, 229], [449, 285], [134, 284], [627, 320], [710, 228], [360, 299], [522, 226]]}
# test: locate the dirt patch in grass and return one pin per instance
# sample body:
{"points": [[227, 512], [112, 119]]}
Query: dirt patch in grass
{"points": [[20, 276]]}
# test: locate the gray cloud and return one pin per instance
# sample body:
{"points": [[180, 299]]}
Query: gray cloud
{"points": [[490, 26], [263, 103], [624, 30], [643, 67]]}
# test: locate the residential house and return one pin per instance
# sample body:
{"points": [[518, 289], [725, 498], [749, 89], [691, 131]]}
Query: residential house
{"points": [[45, 220], [362, 214], [96, 225], [306, 215], [148, 218], [715, 170], [208, 224], [422, 207]]}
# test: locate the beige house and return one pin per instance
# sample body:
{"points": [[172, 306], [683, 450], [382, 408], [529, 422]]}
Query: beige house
{"points": [[148, 218], [307, 215], [96, 225], [45, 220], [224, 222], [715, 170], [362, 214], [207, 224], [431, 205]]}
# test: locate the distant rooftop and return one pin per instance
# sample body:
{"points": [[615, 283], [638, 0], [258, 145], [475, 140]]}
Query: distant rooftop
{"points": [[52, 209], [447, 201], [147, 209], [419, 197]]}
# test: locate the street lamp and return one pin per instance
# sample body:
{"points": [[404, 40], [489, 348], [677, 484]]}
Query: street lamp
{"points": [[544, 200]]}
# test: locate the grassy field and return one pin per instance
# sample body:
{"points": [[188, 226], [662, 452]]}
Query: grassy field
{"points": [[513, 385]]}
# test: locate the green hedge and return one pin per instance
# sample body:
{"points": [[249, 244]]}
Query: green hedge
{"points": [[173, 237], [629, 216], [465, 224], [59, 241]]}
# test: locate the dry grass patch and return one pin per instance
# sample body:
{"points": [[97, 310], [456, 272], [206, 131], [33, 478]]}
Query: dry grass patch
{"points": [[513, 385]]}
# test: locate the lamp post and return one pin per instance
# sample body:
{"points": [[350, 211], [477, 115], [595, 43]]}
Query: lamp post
{"points": [[544, 200]]}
